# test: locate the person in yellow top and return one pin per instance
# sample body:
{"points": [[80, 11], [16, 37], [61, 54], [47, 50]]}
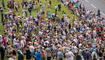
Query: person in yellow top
{"points": [[48, 2], [20, 26], [20, 33], [47, 20]]}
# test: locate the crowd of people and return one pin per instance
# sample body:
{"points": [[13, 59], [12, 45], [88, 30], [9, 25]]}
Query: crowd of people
{"points": [[48, 38]]}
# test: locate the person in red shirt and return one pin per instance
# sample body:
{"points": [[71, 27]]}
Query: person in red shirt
{"points": [[97, 30], [28, 39], [70, 6], [4, 42]]}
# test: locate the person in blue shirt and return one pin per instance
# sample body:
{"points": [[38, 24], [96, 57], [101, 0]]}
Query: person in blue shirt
{"points": [[3, 4], [98, 12], [37, 54], [49, 15], [60, 55]]}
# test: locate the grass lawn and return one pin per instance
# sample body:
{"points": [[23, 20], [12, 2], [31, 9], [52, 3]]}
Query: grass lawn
{"points": [[51, 9]]}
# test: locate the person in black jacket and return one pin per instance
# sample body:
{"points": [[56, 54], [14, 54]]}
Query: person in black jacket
{"points": [[100, 54], [30, 8], [59, 7], [20, 55], [78, 57], [28, 54], [2, 52], [2, 15]]}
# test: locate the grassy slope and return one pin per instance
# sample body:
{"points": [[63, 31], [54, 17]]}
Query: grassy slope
{"points": [[51, 9]]}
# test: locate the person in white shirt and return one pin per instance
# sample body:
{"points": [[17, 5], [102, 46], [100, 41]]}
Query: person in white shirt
{"points": [[55, 7], [11, 59], [14, 41], [75, 49], [94, 55], [22, 42], [34, 6], [69, 55], [29, 0], [0, 38], [23, 11], [31, 47]]}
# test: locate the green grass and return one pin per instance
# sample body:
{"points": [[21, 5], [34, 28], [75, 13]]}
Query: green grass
{"points": [[50, 9]]}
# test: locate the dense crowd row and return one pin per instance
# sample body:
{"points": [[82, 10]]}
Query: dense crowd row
{"points": [[47, 38]]}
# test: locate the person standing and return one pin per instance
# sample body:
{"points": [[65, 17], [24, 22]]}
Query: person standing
{"points": [[26, 12], [48, 51], [28, 54], [49, 15], [0, 38], [59, 7], [2, 17], [45, 2], [42, 52], [88, 55], [98, 12], [100, 55], [55, 9], [31, 47], [60, 55], [94, 55], [69, 55], [11, 58], [3, 4], [30, 8], [22, 4], [38, 55], [34, 5], [20, 54], [104, 54], [78, 57], [2, 52], [38, 1], [14, 53], [40, 4], [50, 2], [4, 42]]}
